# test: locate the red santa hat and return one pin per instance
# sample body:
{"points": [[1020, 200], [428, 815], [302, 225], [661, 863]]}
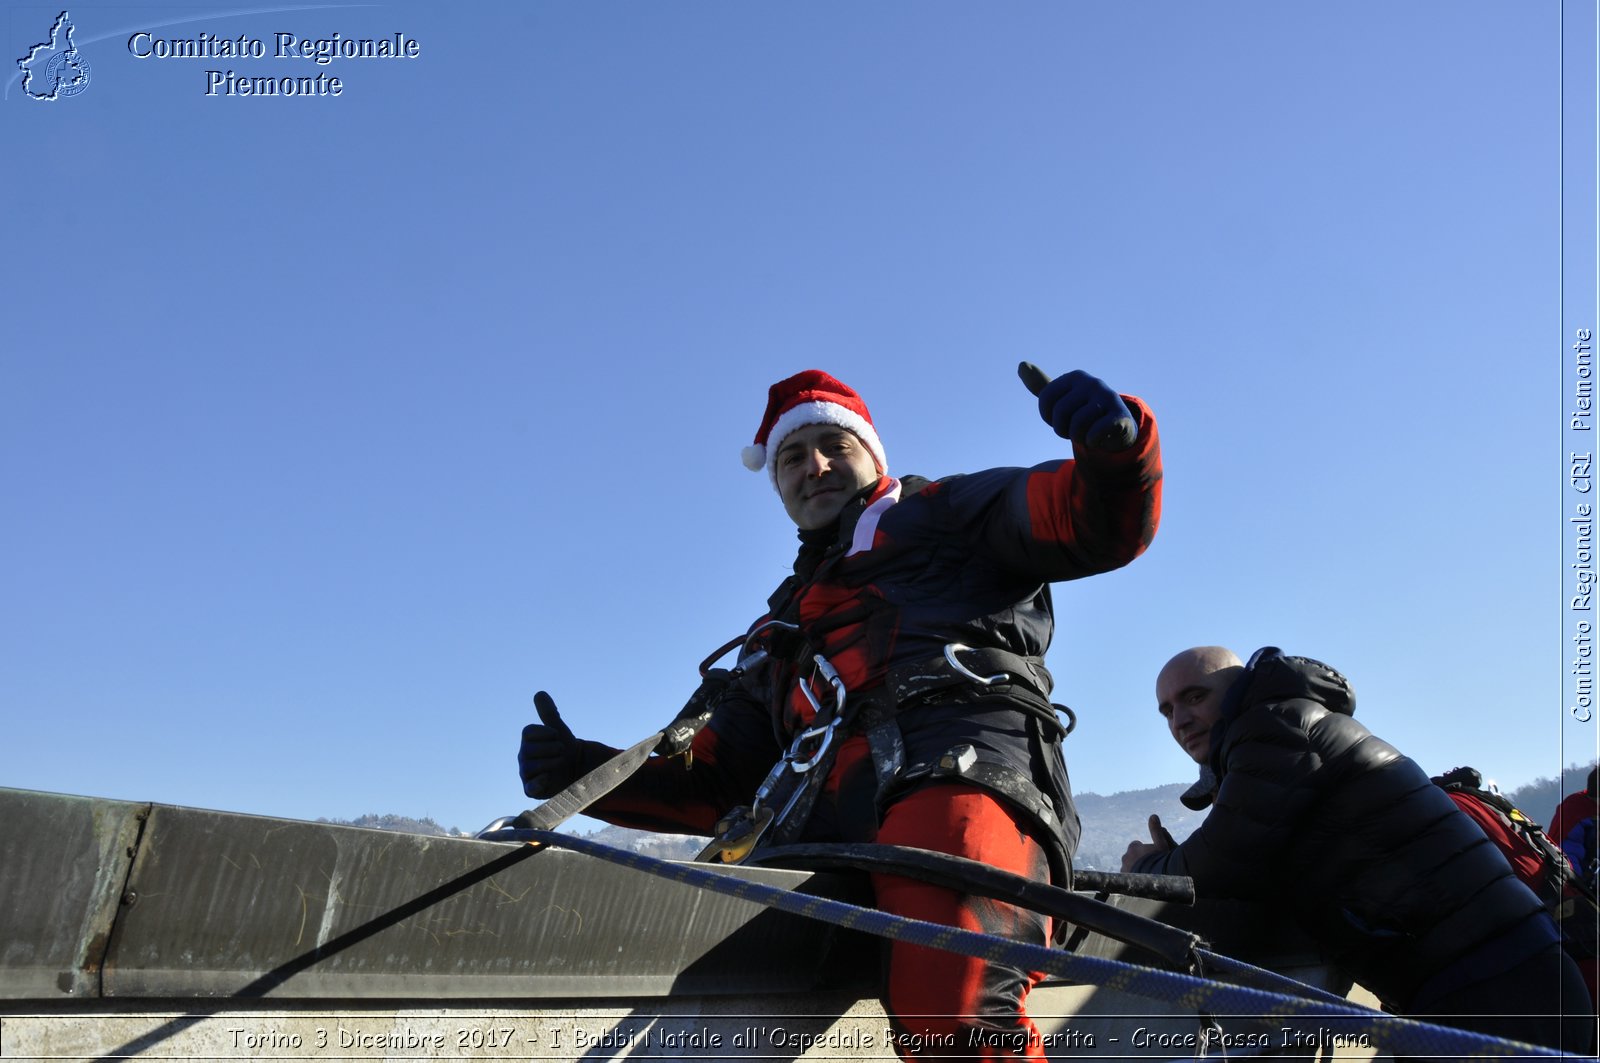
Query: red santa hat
{"points": [[810, 397]]}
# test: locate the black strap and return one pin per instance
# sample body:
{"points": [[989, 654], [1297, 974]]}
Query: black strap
{"points": [[910, 683], [970, 876]]}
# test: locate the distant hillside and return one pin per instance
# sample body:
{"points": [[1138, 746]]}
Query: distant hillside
{"points": [[401, 824], [663, 846], [1109, 822], [660, 846], [1539, 798]]}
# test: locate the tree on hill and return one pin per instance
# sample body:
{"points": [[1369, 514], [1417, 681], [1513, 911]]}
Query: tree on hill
{"points": [[401, 824], [1539, 798]]}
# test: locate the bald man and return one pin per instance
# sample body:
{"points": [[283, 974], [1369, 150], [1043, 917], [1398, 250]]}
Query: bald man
{"points": [[1311, 810]]}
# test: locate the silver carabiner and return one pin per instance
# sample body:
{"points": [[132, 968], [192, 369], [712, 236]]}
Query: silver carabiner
{"points": [[825, 733], [950, 651], [749, 658], [756, 631], [831, 674], [503, 823], [768, 784]]}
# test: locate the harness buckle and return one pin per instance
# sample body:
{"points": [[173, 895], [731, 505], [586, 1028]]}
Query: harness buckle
{"points": [[950, 651]]}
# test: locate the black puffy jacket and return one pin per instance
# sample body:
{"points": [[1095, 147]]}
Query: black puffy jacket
{"points": [[1313, 811]]}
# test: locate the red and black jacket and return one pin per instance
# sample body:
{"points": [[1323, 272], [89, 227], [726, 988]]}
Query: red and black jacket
{"points": [[911, 567]]}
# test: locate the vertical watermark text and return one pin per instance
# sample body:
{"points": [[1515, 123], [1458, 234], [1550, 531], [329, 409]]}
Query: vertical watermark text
{"points": [[1580, 479]]}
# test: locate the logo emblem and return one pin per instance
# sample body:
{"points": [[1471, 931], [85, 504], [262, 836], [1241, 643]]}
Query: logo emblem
{"points": [[55, 69]]}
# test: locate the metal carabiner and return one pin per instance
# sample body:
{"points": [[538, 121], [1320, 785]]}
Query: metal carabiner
{"points": [[805, 692], [717, 654], [503, 823], [825, 732], [831, 674], [950, 651], [747, 659], [764, 625], [770, 783]]}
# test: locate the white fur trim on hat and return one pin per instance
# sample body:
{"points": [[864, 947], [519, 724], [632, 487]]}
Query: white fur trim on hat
{"points": [[809, 413]]}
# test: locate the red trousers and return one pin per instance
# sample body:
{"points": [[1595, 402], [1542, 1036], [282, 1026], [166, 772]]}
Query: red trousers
{"points": [[941, 1003]]}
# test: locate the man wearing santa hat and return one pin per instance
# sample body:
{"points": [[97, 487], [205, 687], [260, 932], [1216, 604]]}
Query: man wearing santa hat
{"points": [[894, 691]]}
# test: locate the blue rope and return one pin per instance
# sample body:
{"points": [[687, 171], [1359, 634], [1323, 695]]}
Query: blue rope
{"points": [[1188, 993]]}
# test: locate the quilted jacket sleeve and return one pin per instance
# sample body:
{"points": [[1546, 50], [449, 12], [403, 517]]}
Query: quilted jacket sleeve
{"points": [[1281, 761], [1072, 518]]}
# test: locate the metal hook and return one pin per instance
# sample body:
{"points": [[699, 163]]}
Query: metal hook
{"points": [[747, 659], [950, 651]]}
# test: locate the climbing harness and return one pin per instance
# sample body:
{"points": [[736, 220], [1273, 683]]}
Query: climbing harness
{"points": [[782, 803], [787, 792], [792, 783]]}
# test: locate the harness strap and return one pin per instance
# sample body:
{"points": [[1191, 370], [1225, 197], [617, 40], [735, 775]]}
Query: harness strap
{"points": [[874, 714], [1009, 783], [1029, 685], [962, 666]]}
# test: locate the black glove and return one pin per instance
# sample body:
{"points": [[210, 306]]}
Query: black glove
{"points": [[1082, 408], [551, 758]]}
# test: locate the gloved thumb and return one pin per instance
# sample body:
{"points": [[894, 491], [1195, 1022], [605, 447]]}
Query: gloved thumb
{"points": [[545, 706], [1033, 377]]}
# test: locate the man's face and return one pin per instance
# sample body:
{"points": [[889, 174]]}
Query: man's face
{"points": [[819, 468], [1190, 696]]}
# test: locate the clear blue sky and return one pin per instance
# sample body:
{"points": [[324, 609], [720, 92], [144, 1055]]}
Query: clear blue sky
{"points": [[334, 427]]}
